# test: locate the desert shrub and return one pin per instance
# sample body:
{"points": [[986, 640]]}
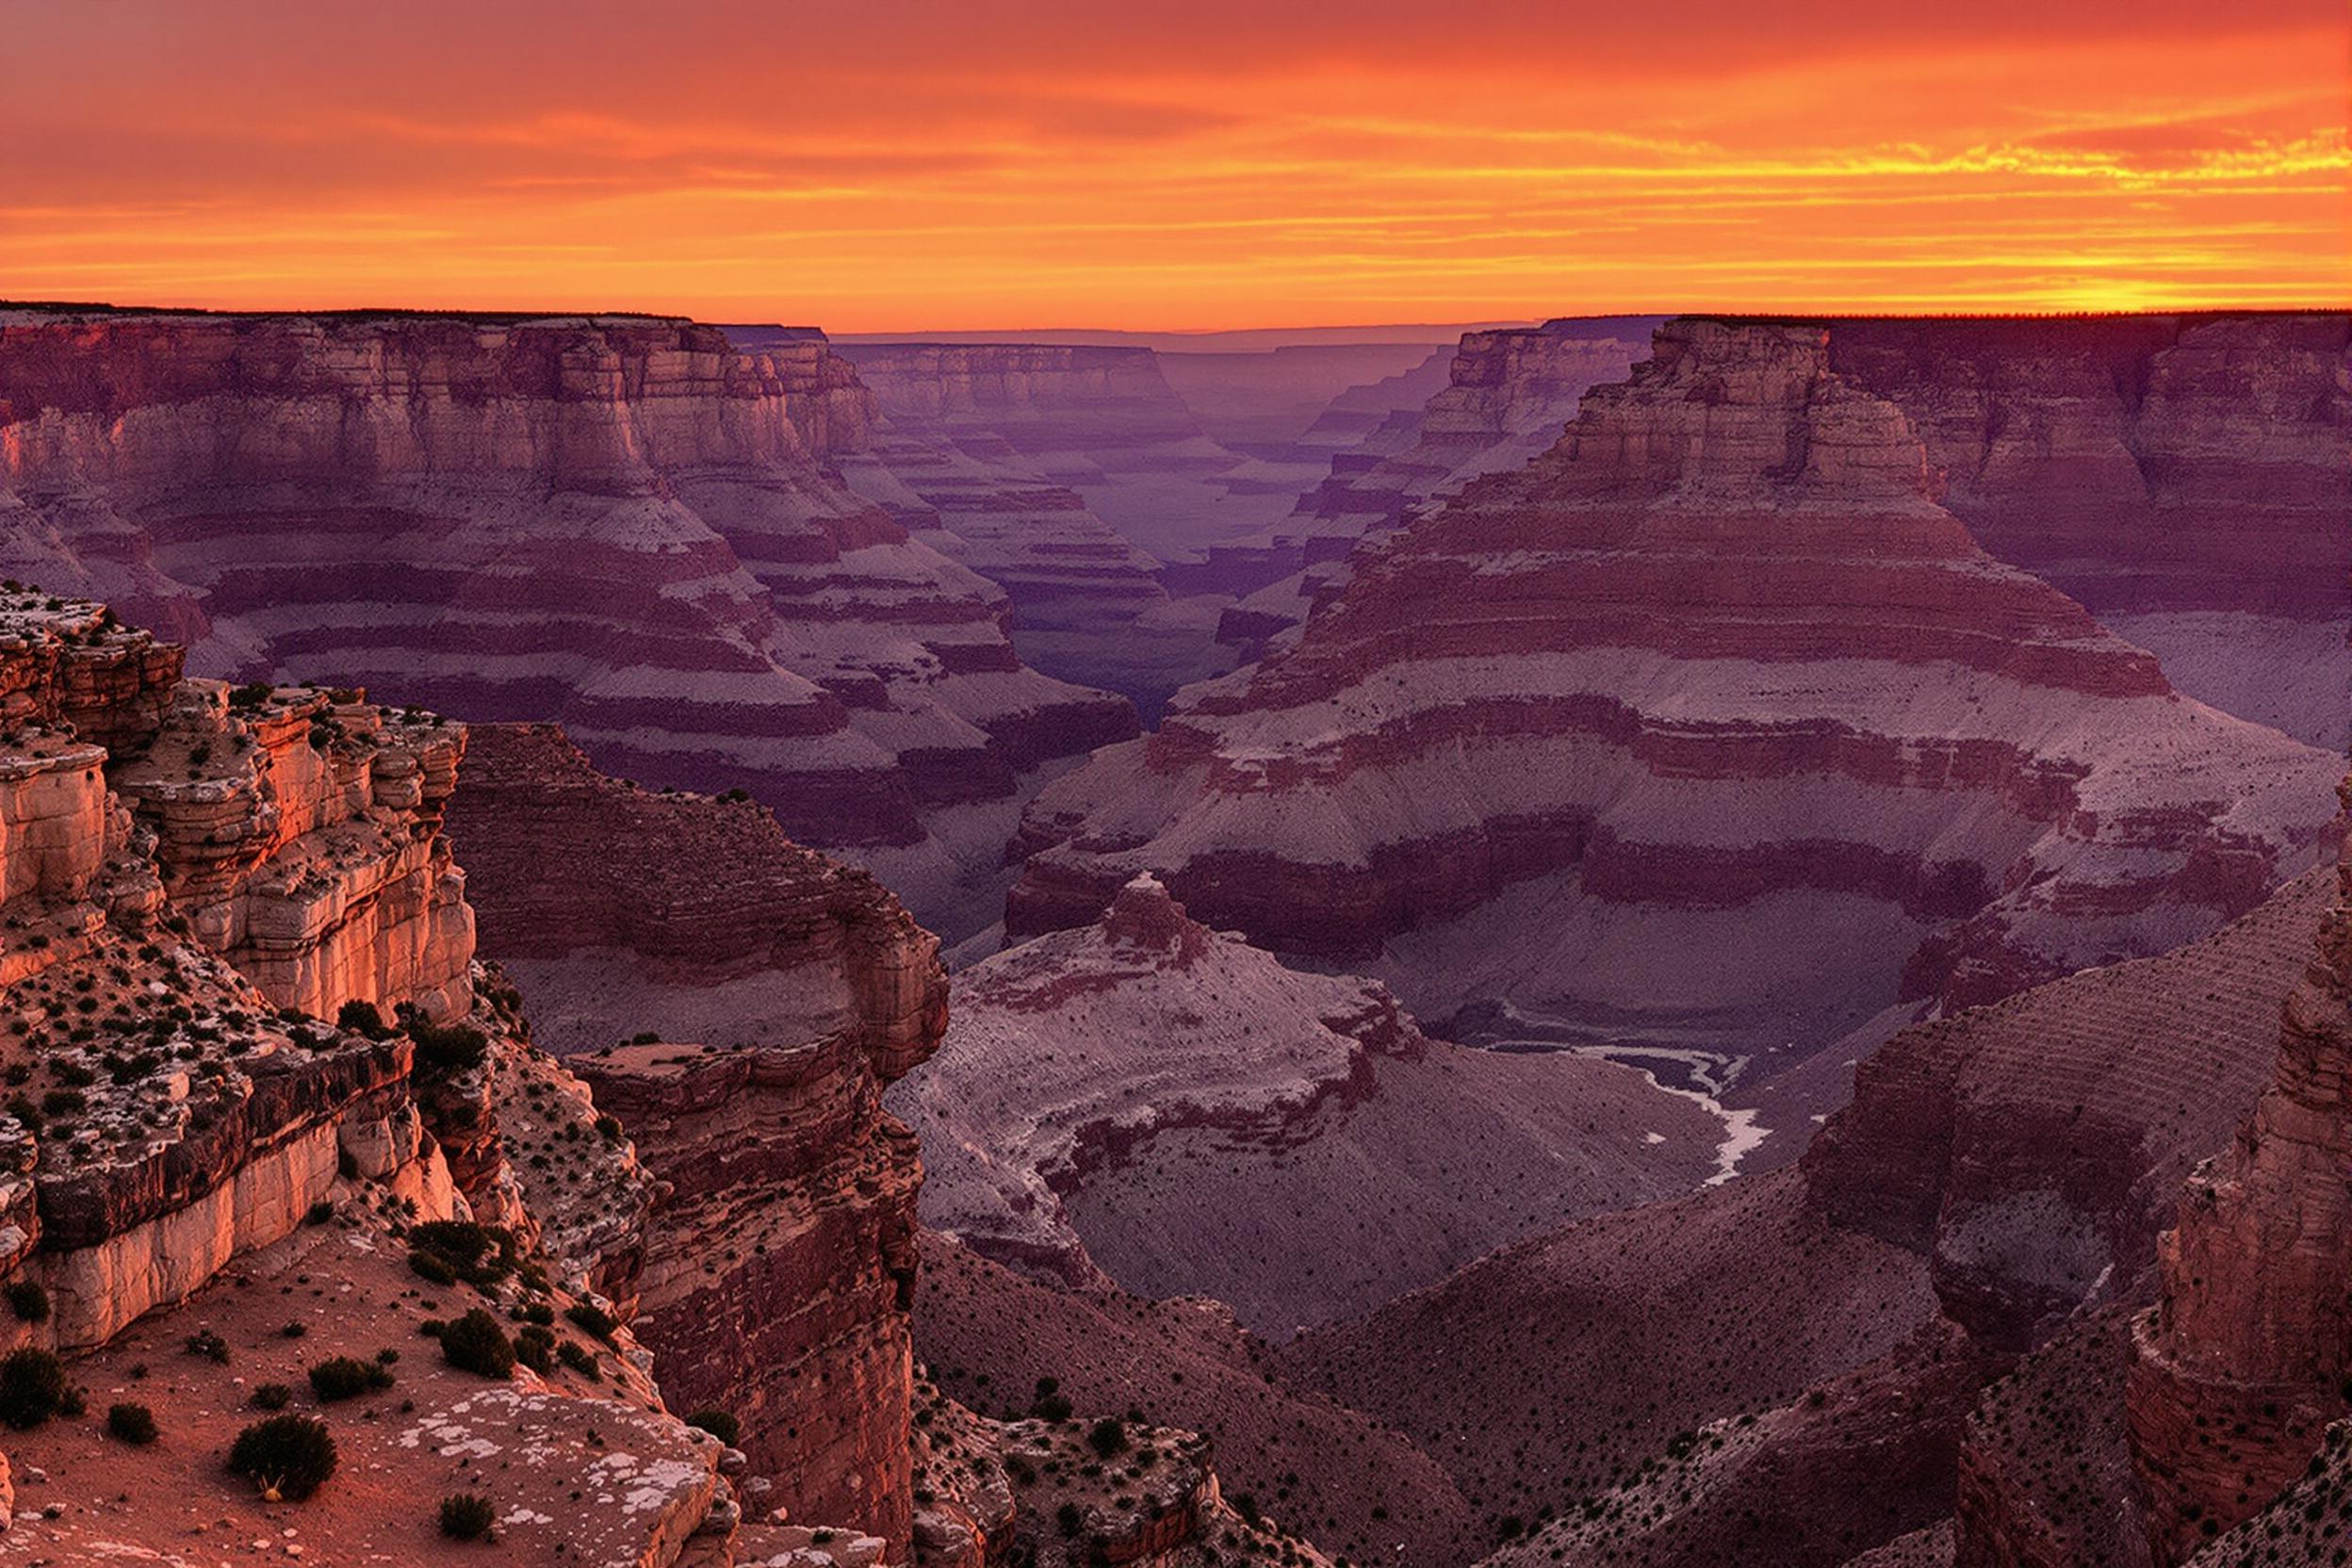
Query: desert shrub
{"points": [[210, 1346], [32, 1387], [1108, 1436], [476, 1344], [445, 1050], [132, 1424], [361, 1018], [719, 1424], [1071, 1518], [28, 1300], [347, 1378], [465, 1516], [535, 1346], [289, 1456], [432, 1267], [271, 1396], [593, 1319], [581, 1360]]}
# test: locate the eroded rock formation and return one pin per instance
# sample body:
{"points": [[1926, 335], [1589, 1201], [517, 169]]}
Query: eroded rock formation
{"points": [[2185, 477], [1146, 1098], [619, 521], [2243, 1364], [1712, 703]]}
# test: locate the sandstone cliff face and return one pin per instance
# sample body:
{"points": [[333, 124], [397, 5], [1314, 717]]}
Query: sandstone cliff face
{"points": [[1148, 1100], [619, 521], [1712, 702], [2185, 477], [777, 1264], [2242, 1365], [182, 905]]}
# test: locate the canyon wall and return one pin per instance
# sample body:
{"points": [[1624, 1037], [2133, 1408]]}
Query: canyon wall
{"points": [[2185, 477], [618, 521], [1712, 703], [256, 1076], [2242, 1365]]}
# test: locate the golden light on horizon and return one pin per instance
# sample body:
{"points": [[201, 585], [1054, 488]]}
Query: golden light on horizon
{"points": [[900, 166]]}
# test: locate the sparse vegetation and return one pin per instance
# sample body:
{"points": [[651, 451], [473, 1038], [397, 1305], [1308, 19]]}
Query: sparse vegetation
{"points": [[133, 1423], [32, 1387], [347, 1378], [287, 1457], [475, 1343], [28, 1300], [468, 1516]]}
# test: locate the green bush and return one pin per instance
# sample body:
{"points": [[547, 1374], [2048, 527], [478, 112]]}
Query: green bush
{"points": [[1108, 1437], [28, 1300], [347, 1378], [132, 1424], [289, 1456], [446, 1050], [581, 1360], [465, 1516], [719, 1424], [432, 1267], [476, 1344], [32, 1388], [535, 1346]]}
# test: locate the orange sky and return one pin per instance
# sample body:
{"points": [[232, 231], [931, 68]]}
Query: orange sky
{"points": [[899, 164]]}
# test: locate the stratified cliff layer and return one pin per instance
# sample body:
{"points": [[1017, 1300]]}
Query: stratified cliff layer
{"points": [[2185, 477], [1710, 725], [1507, 397], [620, 522], [1173, 1106], [2246, 1359], [268, 1116]]}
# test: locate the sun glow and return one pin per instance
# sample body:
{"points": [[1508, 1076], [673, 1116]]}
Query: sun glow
{"points": [[910, 165]]}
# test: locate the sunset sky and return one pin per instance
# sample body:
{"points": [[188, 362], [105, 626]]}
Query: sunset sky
{"points": [[906, 164]]}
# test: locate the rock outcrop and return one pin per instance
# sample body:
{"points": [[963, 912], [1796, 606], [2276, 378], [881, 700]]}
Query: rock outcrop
{"points": [[1148, 1100], [2184, 476], [1711, 703], [2032, 1150], [777, 1265], [2243, 1361], [622, 522], [251, 1048]]}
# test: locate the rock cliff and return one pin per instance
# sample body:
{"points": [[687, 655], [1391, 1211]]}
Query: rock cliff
{"points": [[1713, 702], [268, 1113], [618, 521], [1150, 1100], [2185, 477], [2243, 1361]]}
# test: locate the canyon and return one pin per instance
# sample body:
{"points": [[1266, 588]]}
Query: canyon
{"points": [[1710, 729], [1709, 955], [617, 522]]}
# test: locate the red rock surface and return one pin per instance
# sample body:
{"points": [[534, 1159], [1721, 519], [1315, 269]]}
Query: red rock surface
{"points": [[1150, 1100], [204, 1174], [2243, 1361], [1708, 727], [618, 521], [2185, 477]]}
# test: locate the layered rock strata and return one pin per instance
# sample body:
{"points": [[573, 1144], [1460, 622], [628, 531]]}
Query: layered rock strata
{"points": [[204, 1171], [1148, 1099], [2243, 1361], [2185, 477], [1712, 702], [622, 522]]}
